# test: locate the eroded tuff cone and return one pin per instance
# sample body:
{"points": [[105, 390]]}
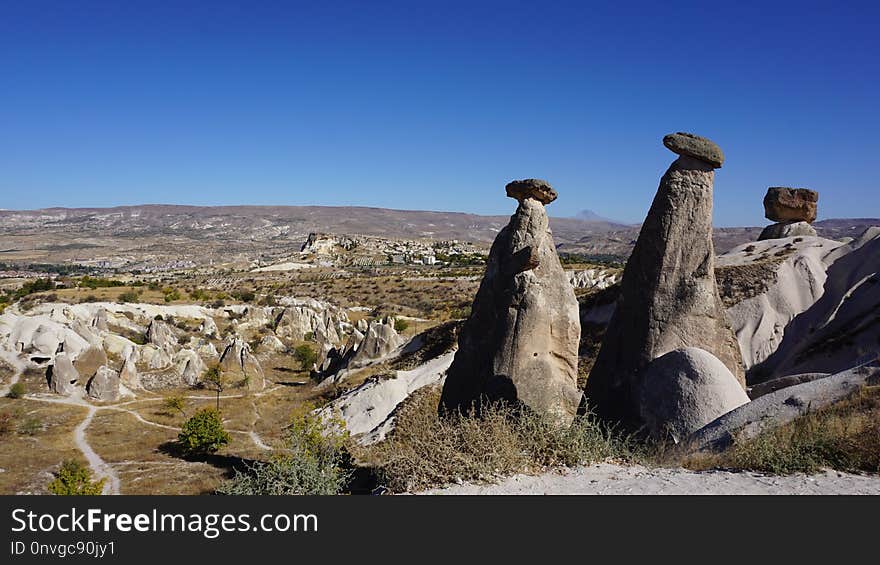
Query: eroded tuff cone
{"points": [[538, 189], [787, 229], [104, 386], [669, 298], [62, 375], [696, 147], [520, 343], [783, 204], [237, 361]]}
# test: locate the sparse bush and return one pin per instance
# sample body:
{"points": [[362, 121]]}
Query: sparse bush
{"points": [[93, 283], [129, 296], [244, 295], [17, 390], [400, 325], [5, 423], [306, 356], [30, 426], [174, 403], [198, 294], [203, 433], [74, 478], [171, 294], [425, 450], [316, 463], [844, 436]]}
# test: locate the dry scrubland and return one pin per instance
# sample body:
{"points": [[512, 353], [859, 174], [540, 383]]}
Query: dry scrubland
{"points": [[135, 437]]}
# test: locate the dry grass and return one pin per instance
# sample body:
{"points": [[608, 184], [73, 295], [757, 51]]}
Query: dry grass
{"points": [[844, 436], [425, 450], [37, 438], [140, 455]]}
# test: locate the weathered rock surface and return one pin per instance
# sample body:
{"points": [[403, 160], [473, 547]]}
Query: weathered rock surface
{"points": [[273, 344], [189, 366], [780, 407], [780, 383], [237, 361], [62, 375], [669, 297], [160, 335], [520, 343], [104, 386], [787, 229], [368, 410], [695, 146], [40, 336], [777, 280], [593, 278], [538, 189], [302, 317], [783, 204], [88, 361], [842, 327], [684, 390], [379, 340], [129, 375]]}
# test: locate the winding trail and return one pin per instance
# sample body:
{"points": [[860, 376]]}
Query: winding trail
{"points": [[100, 467]]}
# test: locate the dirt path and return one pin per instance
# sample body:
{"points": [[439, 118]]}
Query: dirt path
{"points": [[101, 469], [618, 479]]}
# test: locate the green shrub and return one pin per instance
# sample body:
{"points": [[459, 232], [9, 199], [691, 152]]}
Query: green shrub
{"points": [[306, 356], [129, 296], [93, 283], [30, 426], [203, 433], [400, 325], [17, 390], [316, 463], [174, 403], [74, 478]]}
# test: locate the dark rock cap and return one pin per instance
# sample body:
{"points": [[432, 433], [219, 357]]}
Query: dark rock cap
{"points": [[696, 147], [538, 189], [784, 204]]}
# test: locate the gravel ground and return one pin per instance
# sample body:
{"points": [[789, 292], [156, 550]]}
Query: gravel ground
{"points": [[617, 479]]}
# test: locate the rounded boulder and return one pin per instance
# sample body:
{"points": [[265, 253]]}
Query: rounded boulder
{"points": [[686, 389]]}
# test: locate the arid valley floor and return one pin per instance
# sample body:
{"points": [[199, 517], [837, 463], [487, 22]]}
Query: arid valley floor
{"points": [[112, 318]]}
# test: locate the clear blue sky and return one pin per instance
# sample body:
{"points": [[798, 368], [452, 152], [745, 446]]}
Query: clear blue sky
{"points": [[434, 105]]}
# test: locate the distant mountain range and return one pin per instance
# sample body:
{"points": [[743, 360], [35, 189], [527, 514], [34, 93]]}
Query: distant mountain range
{"points": [[590, 216], [57, 234]]}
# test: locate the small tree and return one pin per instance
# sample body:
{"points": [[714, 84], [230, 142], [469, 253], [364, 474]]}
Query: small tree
{"points": [[74, 478], [203, 433], [174, 403], [306, 356], [400, 325], [214, 379]]}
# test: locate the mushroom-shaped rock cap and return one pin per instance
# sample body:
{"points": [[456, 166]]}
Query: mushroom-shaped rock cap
{"points": [[696, 147], [784, 204], [538, 189]]}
